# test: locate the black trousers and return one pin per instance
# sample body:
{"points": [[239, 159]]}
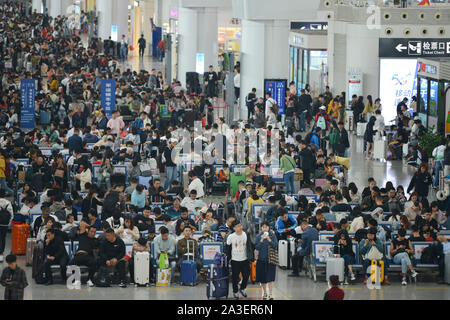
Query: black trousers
{"points": [[121, 267], [82, 259], [141, 51], [250, 112], [237, 268], [297, 263], [307, 177], [3, 232], [441, 263], [62, 262]]}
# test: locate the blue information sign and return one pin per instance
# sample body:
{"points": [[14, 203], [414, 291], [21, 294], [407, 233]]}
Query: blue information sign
{"points": [[277, 89], [27, 95], [108, 97]]}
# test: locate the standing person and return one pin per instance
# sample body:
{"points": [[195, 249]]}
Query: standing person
{"points": [[14, 279], [368, 137], [335, 293], [250, 103], [241, 256], [420, 182], [123, 48], [3, 183], [211, 80], [369, 109], [343, 144], [6, 216], [265, 272], [171, 167], [402, 104], [237, 83], [357, 106], [142, 44], [287, 165], [270, 102], [306, 162], [304, 105], [161, 48], [438, 155], [413, 105]]}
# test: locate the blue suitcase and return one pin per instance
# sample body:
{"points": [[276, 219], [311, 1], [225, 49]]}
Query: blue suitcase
{"points": [[44, 117], [218, 282], [188, 270]]}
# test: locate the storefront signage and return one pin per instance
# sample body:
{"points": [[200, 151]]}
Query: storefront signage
{"points": [[27, 95], [108, 96], [427, 68], [174, 13], [277, 89], [354, 84], [297, 25], [414, 48]]}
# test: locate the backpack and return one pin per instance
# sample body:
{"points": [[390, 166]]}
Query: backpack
{"points": [[110, 202], [422, 155], [103, 279], [429, 256], [321, 123], [5, 216], [41, 277]]}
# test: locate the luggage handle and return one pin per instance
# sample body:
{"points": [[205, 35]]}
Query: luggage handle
{"points": [[188, 254]]}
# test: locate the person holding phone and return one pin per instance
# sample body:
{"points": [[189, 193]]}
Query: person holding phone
{"points": [[401, 248], [265, 272], [13, 279]]}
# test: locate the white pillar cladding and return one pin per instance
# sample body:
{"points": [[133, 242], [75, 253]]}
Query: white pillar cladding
{"points": [[54, 8], [362, 56], [264, 55], [147, 12], [158, 8], [207, 40], [36, 5], [104, 12], [187, 46], [120, 18], [65, 5]]}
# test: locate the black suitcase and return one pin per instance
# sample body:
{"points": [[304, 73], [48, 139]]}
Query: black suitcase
{"points": [[38, 258], [118, 178]]}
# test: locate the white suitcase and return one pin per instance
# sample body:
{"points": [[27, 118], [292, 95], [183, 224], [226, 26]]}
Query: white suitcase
{"points": [[286, 249], [142, 268], [335, 266], [447, 268], [405, 149], [360, 129], [379, 149]]}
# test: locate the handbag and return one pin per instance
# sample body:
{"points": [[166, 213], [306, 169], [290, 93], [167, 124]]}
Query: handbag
{"points": [[273, 256], [163, 261], [374, 254]]}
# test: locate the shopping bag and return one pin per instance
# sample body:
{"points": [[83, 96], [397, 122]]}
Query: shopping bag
{"points": [[163, 261], [163, 277]]}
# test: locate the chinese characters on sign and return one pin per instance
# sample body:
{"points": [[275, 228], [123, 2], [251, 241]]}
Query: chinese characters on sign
{"points": [[399, 47], [108, 96], [277, 89], [27, 95]]}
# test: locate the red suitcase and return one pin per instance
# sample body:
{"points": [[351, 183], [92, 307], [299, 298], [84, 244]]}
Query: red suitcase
{"points": [[20, 233]]}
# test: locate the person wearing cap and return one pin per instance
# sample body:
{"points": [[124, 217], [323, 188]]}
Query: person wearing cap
{"points": [[323, 124], [171, 167]]}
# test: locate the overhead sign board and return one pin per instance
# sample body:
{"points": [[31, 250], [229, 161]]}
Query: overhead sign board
{"points": [[298, 25], [414, 48]]}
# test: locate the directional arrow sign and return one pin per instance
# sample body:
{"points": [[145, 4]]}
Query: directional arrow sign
{"points": [[400, 48]]}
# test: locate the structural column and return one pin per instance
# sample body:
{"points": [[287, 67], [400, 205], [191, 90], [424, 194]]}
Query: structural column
{"points": [[188, 37], [104, 12], [207, 42], [120, 18], [36, 6], [55, 8]]}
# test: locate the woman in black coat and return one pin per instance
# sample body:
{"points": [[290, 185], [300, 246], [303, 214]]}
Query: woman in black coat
{"points": [[420, 182], [343, 246], [368, 137]]}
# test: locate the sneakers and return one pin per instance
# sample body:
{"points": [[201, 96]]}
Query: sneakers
{"points": [[122, 284], [236, 296], [90, 283], [352, 276], [404, 283], [346, 281], [413, 273], [270, 297], [264, 297], [1, 258], [243, 293]]}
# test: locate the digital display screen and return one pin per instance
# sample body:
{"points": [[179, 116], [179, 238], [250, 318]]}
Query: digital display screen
{"points": [[397, 80]]}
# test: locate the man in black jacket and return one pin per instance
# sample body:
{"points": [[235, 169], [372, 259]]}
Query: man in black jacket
{"points": [[143, 221], [112, 254], [306, 162], [171, 167], [304, 104], [88, 244], [184, 221], [343, 144], [340, 206], [56, 254]]}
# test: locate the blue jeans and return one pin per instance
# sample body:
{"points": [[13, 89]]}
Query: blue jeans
{"points": [[123, 52], [4, 185], [289, 182], [437, 170], [404, 260], [348, 260], [302, 121], [171, 175]]}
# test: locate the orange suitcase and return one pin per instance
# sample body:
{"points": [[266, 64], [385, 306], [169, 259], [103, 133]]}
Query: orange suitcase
{"points": [[20, 233], [253, 272]]}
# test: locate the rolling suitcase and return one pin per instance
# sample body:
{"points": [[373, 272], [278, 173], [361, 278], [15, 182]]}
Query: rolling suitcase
{"points": [[188, 269], [38, 258], [286, 249], [142, 268], [20, 233], [31, 243], [44, 117], [379, 149], [447, 268], [361, 128], [335, 266], [218, 282]]}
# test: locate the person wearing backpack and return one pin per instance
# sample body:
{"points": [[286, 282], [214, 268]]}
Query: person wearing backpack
{"points": [[6, 216], [322, 119]]}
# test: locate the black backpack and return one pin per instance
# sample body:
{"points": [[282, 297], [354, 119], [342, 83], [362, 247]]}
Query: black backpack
{"points": [[429, 255], [110, 203], [41, 277], [5, 216], [103, 278]]}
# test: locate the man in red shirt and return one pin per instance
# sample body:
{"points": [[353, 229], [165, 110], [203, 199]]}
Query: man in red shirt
{"points": [[161, 50], [335, 293]]}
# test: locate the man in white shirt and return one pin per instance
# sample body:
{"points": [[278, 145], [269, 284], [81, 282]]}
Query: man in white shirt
{"points": [[270, 102], [237, 83], [190, 202], [239, 260], [379, 123], [196, 184]]}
